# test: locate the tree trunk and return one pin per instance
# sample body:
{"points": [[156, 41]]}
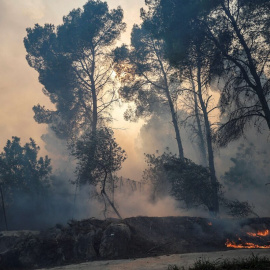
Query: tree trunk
{"points": [[95, 114], [198, 121], [103, 193], [112, 205], [258, 87], [214, 182], [175, 125], [172, 110], [3, 206], [173, 114], [94, 94]]}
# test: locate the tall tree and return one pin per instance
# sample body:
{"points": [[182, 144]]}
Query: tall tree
{"points": [[239, 31], [149, 80], [188, 51], [198, 63], [74, 65]]}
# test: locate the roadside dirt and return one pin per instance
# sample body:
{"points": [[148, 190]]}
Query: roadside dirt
{"points": [[162, 262]]}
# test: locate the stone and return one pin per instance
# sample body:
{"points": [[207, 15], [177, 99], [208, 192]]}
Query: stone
{"points": [[84, 247], [115, 241]]}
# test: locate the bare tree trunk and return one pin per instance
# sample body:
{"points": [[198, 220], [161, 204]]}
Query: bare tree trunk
{"points": [[199, 127], [172, 109], [95, 112], [175, 125], [214, 182], [112, 205], [3, 206], [94, 93], [173, 114], [103, 192]]}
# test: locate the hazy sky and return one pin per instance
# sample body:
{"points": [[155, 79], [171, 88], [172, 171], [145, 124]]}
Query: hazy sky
{"points": [[19, 86]]}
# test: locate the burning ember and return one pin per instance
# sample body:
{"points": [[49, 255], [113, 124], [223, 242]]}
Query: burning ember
{"points": [[259, 238], [232, 244], [259, 233]]}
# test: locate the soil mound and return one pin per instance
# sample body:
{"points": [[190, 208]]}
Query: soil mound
{"points": [[92, 239]]}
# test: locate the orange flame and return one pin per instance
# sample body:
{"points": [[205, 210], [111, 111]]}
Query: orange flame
{"points": [[263, 233], [259, 233], [232, 244]]}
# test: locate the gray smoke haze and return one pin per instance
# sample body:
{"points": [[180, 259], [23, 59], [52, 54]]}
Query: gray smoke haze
{"points": [[158, 134], [20, 91], [19, 86]]}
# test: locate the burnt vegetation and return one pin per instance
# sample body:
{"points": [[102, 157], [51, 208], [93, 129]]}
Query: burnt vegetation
{"points": [[194, 71]]}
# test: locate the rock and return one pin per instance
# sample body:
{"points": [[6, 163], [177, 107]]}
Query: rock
{"points": [[10, 260], [84, 247], [9, 239], [115, 241]]}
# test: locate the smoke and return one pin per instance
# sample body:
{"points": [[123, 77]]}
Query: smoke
{"points": [[158, 136], [20, 91], [19, 86]]}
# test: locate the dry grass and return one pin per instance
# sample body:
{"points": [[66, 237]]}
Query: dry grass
{"points": [[251, 263]]}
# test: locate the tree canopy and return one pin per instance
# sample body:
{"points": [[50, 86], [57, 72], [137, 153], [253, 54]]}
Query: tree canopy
{"points": [[73, 62], [237, 32], [148, 79], [21, 171], [96, 163]]}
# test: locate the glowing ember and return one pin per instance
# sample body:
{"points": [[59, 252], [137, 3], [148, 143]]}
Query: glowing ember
{"points": [[232, 244], [263, 233], [252, 234], [259, 233]]}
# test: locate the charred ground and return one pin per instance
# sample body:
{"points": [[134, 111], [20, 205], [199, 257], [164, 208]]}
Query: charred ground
{"points": [[93, 239]]}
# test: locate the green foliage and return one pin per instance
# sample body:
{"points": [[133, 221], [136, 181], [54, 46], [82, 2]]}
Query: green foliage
{"points": [[237, 208], [21, 171], [236, 35], [246, 171], [176, 22], [188, 181], [156, 175], [98, 156], [74, 65]]}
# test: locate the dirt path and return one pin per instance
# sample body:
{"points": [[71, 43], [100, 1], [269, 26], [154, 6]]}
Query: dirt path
{"points": [[162, 262]]}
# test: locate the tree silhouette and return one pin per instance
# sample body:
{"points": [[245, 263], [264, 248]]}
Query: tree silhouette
{"points": [[97, 163], [239, 32], [74, 65], [23, 174], [148, 79]]}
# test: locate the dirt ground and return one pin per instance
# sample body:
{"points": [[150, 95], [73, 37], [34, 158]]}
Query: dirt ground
{"points": [[162, 262]]}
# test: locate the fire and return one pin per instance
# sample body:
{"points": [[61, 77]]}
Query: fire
{"points": [[263, 233], [232, 244], [242, 244], [259, 233]]}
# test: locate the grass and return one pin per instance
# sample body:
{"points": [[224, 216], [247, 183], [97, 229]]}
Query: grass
{"points": [[251, 263]]}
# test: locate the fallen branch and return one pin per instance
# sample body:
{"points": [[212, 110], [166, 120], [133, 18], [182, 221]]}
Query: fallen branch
{"points": [[112, 205]]}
